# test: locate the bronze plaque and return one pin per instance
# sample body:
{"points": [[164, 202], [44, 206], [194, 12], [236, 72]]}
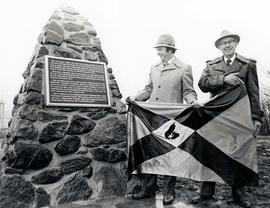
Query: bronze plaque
{"points": [[76, 83]]}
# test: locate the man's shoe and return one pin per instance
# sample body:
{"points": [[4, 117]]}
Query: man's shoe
{"points": [[168, 199], [245, 204], [199, 199], [241, 203], [142, 195]]}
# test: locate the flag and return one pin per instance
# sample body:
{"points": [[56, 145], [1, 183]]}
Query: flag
{"points": [[212, 142]]}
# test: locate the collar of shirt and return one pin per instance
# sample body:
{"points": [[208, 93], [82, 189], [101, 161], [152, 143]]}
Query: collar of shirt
{"points": [[232, 59], [170, 61]]}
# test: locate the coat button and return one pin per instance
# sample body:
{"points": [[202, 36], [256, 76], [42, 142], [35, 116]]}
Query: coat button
{"points": [[158, 86], [156, 98]]}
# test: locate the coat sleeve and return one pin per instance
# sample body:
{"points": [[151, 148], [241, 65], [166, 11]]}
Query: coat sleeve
{"points": [[147, 91], [189, 93], [210, 83], [253, 91]]}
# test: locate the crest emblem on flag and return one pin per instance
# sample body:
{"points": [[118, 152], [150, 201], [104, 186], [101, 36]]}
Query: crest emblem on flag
{"points": [[213, 142]]}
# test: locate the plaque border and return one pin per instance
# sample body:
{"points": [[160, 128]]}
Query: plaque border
{"points": [[47, 87]]}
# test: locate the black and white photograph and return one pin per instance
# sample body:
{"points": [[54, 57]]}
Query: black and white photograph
{"points": [[135, 104]]}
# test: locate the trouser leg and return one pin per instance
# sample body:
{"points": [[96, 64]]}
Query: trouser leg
{"points": [[238, 193], [149, 184], [207, 189], [169, 184]]}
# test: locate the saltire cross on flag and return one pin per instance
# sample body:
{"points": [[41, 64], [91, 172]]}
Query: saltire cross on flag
{"points": [[213, 142]]}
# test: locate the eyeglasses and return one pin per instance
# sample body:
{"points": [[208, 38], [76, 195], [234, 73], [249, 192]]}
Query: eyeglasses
{"points": [[222, 43]]}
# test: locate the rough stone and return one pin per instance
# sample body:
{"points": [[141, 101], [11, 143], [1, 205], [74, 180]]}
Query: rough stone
{"points": [[30, 98], [34, 98], [122, 145], [79, 39], [39, 63], [91, 31], [91, 56], [95, 42], [47, 116], [112, 110], [23, 86], [55, 16], [109, 155], [41, 37], [15, 99], [42, 198], [80, 125], [66, 53], [83, 150], [68, 145], [71, 165], [27, 112], [89, 48], [28, 156], [56, 27], [10, 171], [97, 115], [9, 122], [74, 190], [53, 131], [52, 37], [43, 50], [109, 131], [111, 181], [109, 70], [15, 192], [73, 27], [102, 57], [34, 83], [70, 18], [69, 10], [116, 93], [111, 76], [25, 130], [47, 176], [87, 172], [113, 84], [87, 24], [74, 47], [28, 69]]}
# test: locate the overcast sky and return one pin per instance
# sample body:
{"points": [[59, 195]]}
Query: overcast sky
{"points": [[128, 30]]}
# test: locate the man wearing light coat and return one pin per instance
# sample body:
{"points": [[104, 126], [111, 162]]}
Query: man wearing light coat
{"points": [[170, 81]]}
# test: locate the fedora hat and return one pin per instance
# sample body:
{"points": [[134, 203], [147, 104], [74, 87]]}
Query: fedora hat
{"points": [[225, 34], [165, 40]]}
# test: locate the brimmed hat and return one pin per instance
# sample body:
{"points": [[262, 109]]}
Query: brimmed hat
{"points": [[165, 40], [225, 34]]}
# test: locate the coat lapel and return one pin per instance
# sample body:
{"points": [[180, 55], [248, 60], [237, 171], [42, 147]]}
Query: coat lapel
{"points": [[219, 65], [235, 67]]}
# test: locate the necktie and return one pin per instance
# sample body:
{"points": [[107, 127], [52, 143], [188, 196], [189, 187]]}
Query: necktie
{"points": [[228, 62]]}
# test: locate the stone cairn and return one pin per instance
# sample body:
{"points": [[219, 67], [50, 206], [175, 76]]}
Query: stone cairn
{"points": [[58, 155]]}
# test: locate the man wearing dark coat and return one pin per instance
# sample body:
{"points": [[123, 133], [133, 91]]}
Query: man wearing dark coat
{"points": [[220, 75]]}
